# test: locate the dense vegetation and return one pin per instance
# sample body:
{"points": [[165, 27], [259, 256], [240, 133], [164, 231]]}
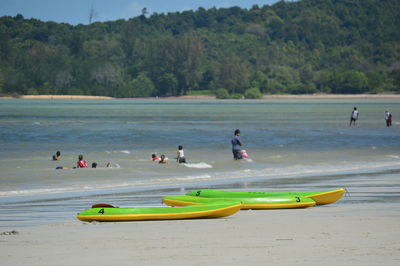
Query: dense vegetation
{"points": [[309, 46]]}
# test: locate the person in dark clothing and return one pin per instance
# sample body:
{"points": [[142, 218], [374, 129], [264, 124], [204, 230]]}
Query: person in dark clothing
{"points": [[354, 116], [237, 145], [388, 118], [57, 156]]}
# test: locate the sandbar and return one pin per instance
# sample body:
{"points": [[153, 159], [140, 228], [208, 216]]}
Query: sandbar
{"points": [[308, 97], [337, 234]]}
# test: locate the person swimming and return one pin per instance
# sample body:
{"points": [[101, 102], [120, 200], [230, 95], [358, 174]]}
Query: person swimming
{"points": [[57, 156], [162, 159], [94, 165], [154, 157], [81, 163]]}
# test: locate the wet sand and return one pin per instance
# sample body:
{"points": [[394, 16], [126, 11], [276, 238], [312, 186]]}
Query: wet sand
{"points": [[337, 234]]}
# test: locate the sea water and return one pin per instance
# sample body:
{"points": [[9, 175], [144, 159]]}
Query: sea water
{"points": [[293, 145]]}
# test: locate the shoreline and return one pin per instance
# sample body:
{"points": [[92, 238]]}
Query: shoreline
{"points": [[208, 97], [337, 234]]}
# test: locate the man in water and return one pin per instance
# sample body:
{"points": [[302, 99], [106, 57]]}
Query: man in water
{"points": [[388, 118], [237, 145], [354, 116]]}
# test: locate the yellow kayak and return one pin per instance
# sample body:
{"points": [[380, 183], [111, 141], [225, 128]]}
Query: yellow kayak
{"points": [[108, 213], [276, 202], [320, 197]]}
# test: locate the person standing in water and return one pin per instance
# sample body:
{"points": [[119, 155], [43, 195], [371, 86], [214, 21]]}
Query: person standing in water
{"points": [[237, 145], [354, 116], [181, 155], [388, 118]]}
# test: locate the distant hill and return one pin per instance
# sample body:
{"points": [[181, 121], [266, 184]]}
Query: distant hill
{"points": [[309, 46]]}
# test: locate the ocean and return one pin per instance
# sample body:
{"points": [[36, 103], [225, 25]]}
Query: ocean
{"points": [[293, 145]]}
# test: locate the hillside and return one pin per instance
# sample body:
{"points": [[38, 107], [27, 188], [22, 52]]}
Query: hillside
{"points": [[309, 46]]}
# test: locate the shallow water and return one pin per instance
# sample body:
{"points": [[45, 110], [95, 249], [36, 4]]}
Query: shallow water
{"points": [[292, 145]]}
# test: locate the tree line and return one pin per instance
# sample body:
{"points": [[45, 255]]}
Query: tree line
{"points": [[302, 47]]}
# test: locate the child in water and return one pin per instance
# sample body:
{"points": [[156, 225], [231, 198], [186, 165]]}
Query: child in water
{"points": [[81, 163], [181, 155], [162, 159], [154, 157], [57, 156]]}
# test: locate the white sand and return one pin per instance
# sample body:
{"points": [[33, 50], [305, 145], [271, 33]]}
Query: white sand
{"points": [[337, 234], [63, 97]]}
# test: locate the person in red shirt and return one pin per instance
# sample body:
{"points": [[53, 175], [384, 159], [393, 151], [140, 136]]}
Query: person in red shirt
{"points": [[81, 163]]}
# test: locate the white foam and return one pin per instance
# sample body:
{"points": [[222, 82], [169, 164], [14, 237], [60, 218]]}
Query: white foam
{"points": [[201, 165], [393, 156], [193, 177]]}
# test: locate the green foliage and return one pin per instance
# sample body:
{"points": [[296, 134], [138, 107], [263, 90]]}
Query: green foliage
{"points": [[236, 96], [1, 81], [141, 86], [306, 46], [222, 94], [253, 93], [32, 91], [350, 81]]}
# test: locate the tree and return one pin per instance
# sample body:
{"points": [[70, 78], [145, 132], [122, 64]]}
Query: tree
{"points": [[92, 14], [222, 94], [233, 74], [1, 81], [350, 82], [253, 93], [306, 46], [141, 86]]}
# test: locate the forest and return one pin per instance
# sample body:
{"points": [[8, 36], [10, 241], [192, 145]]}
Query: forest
{"points": [[296, 47]]}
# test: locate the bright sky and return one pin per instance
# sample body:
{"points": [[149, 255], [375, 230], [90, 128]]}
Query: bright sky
{"points": [[77, 11]]}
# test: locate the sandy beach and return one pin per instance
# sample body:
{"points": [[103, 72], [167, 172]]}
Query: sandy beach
{"points": [[209, 97], [65, 97], [337, 234]]}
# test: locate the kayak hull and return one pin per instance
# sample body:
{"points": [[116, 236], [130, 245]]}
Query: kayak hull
{"points": [[278, 202], [211, 210], [320, 197]]}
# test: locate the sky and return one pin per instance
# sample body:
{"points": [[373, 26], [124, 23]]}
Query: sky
{"points": [[77, 11]]}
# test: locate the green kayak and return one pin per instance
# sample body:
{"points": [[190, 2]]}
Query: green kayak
{"points": [[320, 197], [105, 212], [276, 202]]}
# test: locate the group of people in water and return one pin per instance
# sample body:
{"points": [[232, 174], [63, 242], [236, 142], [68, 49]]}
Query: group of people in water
{"points": [[238, 152], [354, 117], [81, 163], [180, 158]]}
